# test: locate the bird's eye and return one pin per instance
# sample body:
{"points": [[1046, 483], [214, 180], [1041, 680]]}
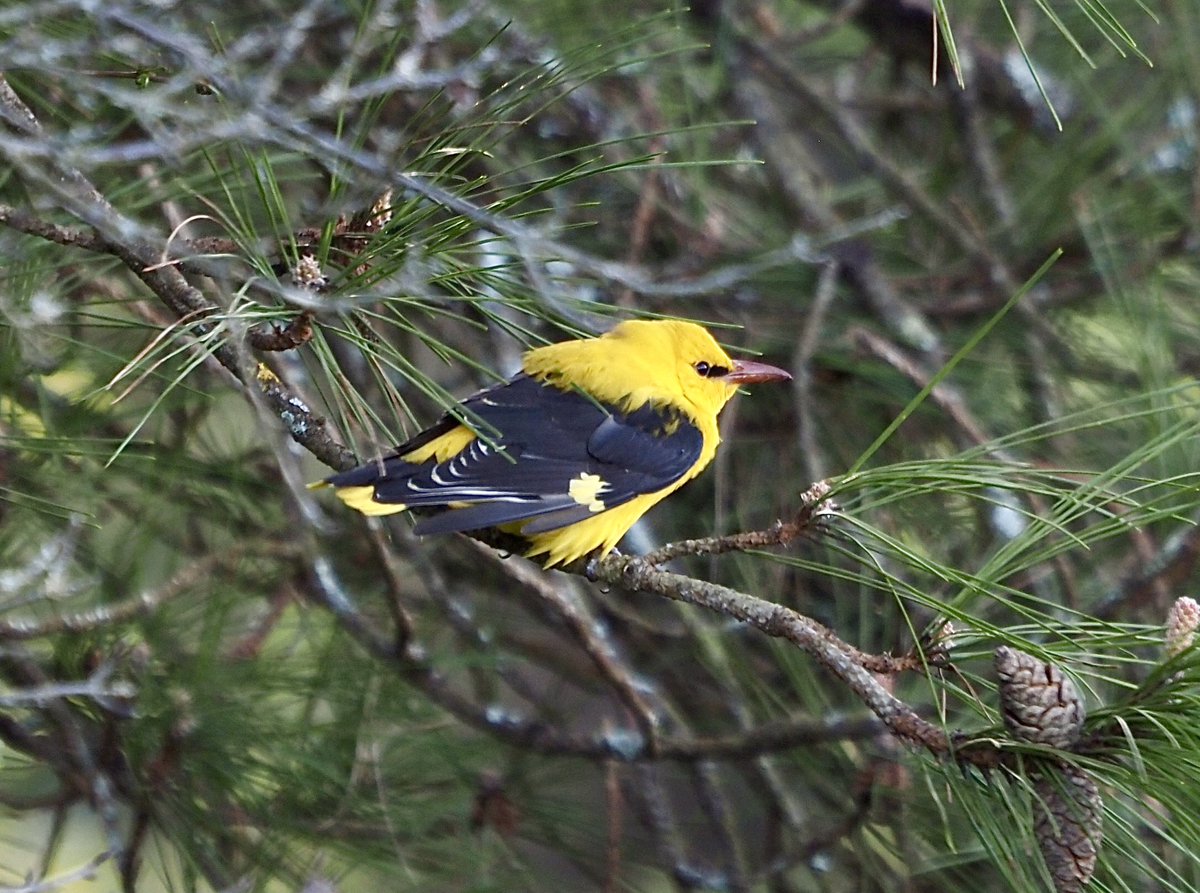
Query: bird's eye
{"points": [[709, 370]]}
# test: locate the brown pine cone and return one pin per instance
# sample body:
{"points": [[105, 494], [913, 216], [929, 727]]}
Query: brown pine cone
{"points": [[1067, 824], [1039, 703]]}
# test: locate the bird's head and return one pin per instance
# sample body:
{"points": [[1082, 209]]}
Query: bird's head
{"points": [[664, 362]]}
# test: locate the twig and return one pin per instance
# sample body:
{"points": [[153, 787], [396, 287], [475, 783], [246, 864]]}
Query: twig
{"points": [[82, 769], [297, 332], [660, 819], [844, 661], [945, 396], [860, 141], [1173, 565], [616, 807], [802, 359], [81, 198], [592, 638], [396, 590], [93, 687], [250, 646], [716, 807], [85, 872], [648, 200], [950, 400], [105, 616], [535, 735], [981, 150], [307, 428], [812, 512], [856, 262], [864, 789], [32, 225]]}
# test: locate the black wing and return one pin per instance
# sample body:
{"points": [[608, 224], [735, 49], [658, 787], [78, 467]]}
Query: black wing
{"points": [[540, 439]]}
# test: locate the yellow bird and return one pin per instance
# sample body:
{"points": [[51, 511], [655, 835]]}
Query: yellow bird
{"points": [[572, 450]]}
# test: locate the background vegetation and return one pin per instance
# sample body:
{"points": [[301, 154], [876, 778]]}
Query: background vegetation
{"points": [[245, 244]]}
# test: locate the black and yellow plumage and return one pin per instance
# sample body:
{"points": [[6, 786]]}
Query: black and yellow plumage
{"points": [[574, 449]]}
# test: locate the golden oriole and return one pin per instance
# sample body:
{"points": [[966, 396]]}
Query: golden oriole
{"points": [[572, 450]]}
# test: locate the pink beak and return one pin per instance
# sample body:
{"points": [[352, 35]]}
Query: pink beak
{"points": [[750, 372]]}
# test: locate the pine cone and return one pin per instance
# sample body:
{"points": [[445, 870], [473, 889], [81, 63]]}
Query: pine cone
{"points": [[1067, 824], [1182, 622], [307, 273], [1039, 703], [939, 643]]}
